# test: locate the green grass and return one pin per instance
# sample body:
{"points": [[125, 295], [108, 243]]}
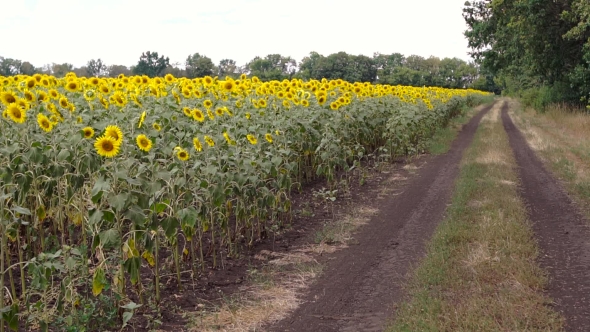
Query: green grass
{"points": [[441, 141], [480, 272]]}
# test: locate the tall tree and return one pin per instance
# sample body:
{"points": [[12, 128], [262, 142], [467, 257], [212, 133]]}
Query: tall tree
{"points": [[96, 68], [151, 64], [116, 70], [227, 67], [9, 67], [60, 70], [198, 65]]}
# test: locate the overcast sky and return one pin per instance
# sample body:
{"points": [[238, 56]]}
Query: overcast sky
{"points": [[118, 31]]}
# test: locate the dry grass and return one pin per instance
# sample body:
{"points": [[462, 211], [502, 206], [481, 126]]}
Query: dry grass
{"points": [[560, 136], [273, 292], [480, 272]]}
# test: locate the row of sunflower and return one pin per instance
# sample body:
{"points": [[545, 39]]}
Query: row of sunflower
{"points": [[122, 175]]}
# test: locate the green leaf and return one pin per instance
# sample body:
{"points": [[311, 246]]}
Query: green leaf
{"points": [[136, 215], [131, 306], [126, 317], [101, 184], [110, 238], [10, 316], [188, 216], [63, 155], [21, 210]]}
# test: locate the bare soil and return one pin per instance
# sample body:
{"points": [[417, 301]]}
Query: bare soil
{"points": [[563, 233], [362, 284]]}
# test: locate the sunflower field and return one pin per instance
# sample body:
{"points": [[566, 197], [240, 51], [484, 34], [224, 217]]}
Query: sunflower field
{"points": [[104, 181]]}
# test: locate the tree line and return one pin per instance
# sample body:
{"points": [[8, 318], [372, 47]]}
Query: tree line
{"points": [[539, 49], [392, 69]]}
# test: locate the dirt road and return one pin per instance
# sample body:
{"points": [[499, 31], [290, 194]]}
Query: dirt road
{"points": [[562, 232], [362, 284]]}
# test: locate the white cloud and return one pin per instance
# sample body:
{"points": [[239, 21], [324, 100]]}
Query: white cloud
{"points": [[118, 31]]}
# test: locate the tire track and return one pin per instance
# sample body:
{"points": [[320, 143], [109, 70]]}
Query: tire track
{"points": [[562, 232], [362, 284]]}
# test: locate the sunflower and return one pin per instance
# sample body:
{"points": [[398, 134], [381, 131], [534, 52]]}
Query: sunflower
{"points": [[207, 103], [198, 93], [53, 94], [107, 146], [93, 81], [305, 103], [210, 114], [44, 122], [197, 144], [187, 111], [334, 105], [268, 137], [119, 99], [143, 142], [141, 119], [42, 96], [207, 80], [88, 132], [209, 141], [198, 115], [16, 113], [63, 102], [186, 93], [7, 98], [262, 103], [228, 138], [22, 103], [182, 154], [248, 115], [30, 97], [72, 86], [228, 86], [115, 133], [169, 78], [104, 89], [219, 112], [89, 95], [31, 82], [156, 126], [252, 139]]}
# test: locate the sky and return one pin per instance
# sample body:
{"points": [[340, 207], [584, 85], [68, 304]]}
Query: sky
{"points": [[118, 31]]}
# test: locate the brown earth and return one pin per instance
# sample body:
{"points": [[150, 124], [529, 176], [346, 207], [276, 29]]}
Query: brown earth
{"points": [[562, 232], [362, 284]]}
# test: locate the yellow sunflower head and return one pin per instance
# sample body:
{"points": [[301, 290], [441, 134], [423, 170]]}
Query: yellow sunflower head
{"points": [[63, 102], [72, 86], [268, 137], [7, 98], [219, 111], [252, 139], [187, 111], [143, 142], [107, 146], [182, 154], [15, 113], [115, 133], [141, 119], [198, 115], [31, 82], [209, 141], [207, 103], [156, 126], [88, 132], [197, 144], [262, 103], [44, 122]]}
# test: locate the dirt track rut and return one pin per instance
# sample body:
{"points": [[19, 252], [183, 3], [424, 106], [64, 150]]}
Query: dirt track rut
{"points": [[562, 232], [362, 284]]}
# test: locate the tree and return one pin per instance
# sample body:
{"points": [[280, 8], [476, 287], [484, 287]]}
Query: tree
{"points": [[272, 67], [116, 70], [9, 67], [60, 70], [96, 68], [26, 68], [175, 70], [227, 67], [199, 66], [151, 64]]}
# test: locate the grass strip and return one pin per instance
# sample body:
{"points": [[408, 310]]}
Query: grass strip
{"points": [[480, 272]]}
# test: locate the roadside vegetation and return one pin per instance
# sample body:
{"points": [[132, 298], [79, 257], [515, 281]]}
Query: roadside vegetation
{"points": [[480, 272]]}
